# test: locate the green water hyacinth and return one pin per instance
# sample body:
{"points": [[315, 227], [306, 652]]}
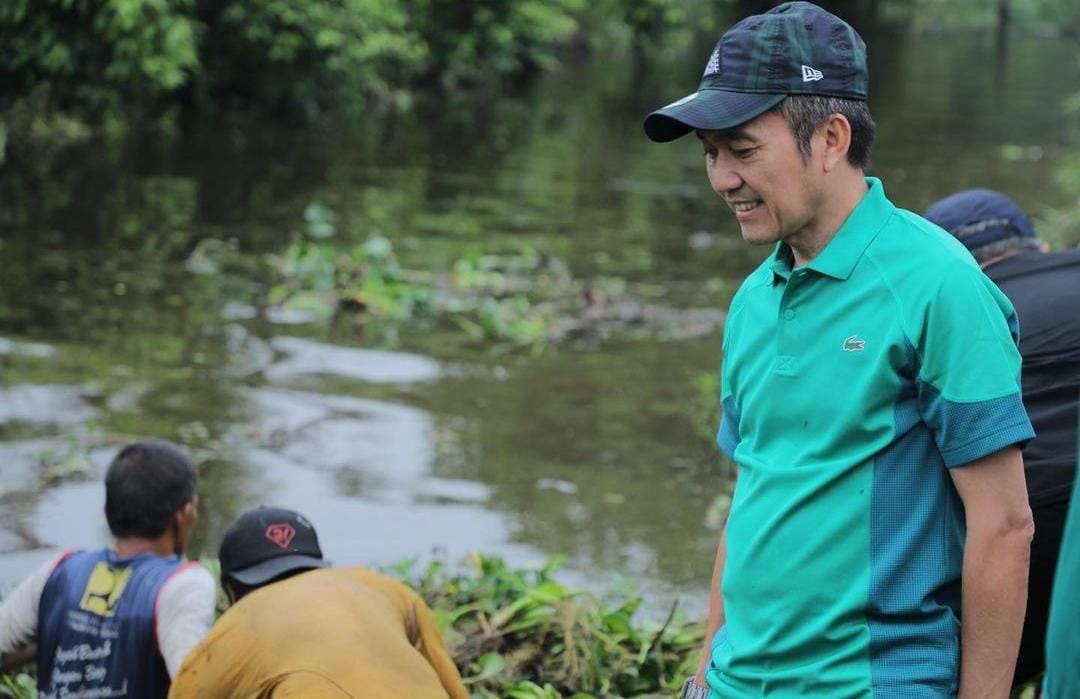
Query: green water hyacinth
{"points": [[521, 633]]}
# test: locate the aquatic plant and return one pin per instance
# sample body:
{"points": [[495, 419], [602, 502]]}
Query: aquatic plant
{"points": [[21, 685], [506, 297], [521, 633], [489, 298], [363, 279]]}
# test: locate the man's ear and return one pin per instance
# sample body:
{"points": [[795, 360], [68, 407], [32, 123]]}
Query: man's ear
{"points": [[835, 135], [182, 524], [190, 512]]}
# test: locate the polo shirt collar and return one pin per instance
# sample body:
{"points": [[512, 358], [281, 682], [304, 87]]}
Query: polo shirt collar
{"points": [[783, 260], [842, 253]]}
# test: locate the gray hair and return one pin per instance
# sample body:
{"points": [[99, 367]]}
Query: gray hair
{"points": [[805, 113]]}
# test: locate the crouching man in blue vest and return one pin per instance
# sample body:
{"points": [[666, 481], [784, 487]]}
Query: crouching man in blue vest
{"points": [[118, 621]]}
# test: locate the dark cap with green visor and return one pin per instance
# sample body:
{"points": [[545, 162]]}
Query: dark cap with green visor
{"points": [[794, 49]]}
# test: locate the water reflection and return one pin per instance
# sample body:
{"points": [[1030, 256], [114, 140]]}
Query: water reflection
{"points": [[305, 358]]}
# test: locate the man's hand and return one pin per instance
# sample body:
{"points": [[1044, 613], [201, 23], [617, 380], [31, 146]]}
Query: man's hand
{"points": [[994, 581], [17, 658]]}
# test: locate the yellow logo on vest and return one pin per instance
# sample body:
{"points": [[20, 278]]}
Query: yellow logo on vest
{"points": [[104, 588]]}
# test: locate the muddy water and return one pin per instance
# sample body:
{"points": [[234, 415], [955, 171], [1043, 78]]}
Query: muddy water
{"points": [[415, 444]]}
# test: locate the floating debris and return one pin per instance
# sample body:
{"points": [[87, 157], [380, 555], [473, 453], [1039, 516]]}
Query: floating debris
{"points": [[559, 486]]}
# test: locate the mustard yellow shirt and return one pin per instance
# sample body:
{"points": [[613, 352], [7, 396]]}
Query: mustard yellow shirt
{"points": [[336, 632]]}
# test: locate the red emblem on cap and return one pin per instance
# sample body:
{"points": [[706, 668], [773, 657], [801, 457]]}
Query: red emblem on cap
{"points": [[281, 534]]}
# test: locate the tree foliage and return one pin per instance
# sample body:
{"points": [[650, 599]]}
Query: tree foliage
{"points": [[97, 55], [282, 53], [91, 56], [472, 41]]}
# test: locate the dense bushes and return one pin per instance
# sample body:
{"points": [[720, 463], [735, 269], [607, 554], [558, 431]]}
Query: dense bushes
{"points": [[287, 54], [93, 57]]}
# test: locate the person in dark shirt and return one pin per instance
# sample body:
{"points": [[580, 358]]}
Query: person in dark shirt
{"points": [[1044, 287]]}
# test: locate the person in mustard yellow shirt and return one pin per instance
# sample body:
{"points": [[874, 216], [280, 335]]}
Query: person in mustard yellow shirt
{"points": [[297, 628]]}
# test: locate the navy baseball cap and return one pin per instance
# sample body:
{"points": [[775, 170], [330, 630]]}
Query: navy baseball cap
{"points": [[794, 49], [266, 542], [979, 217]]}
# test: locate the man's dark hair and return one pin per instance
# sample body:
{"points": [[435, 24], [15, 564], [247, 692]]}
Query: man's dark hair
{"points": [[146, 484], [805, 113]]}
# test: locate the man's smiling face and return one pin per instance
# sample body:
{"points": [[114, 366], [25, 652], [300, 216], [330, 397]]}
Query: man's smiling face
{"points": [[758, 170]]}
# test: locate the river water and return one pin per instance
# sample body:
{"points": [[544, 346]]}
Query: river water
{"points": [[414, 445]]}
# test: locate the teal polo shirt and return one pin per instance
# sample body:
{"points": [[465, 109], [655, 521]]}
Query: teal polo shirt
{"points": [[1062, 679], [850, 387]]}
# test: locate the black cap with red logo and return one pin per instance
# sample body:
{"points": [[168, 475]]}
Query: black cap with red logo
{"points": [[267, 542]]}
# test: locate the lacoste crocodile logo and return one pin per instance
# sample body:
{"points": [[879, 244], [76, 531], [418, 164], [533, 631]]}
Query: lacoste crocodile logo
{"points": [[854, 344]]}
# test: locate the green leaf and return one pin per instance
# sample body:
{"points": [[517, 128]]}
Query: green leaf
{"points": [[491, 664]]}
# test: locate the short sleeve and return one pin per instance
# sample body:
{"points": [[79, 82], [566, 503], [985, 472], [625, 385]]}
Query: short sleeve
{"points": [[184, 613], [727, 436], [969, 368]]}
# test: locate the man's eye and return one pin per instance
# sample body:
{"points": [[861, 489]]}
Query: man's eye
{"points": [[742, 153]]}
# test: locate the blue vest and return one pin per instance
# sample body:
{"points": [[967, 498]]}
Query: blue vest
{"points": [[96, 627]]}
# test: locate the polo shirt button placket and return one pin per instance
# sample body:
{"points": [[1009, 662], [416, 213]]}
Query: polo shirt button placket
{"points": [[786, 342]]}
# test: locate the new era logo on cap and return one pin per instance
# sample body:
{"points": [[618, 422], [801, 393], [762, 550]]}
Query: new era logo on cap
{"points": [[713, 66], [810, 75]]}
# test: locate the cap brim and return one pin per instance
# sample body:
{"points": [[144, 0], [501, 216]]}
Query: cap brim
{"points": [[273, 567], [707, 109]]}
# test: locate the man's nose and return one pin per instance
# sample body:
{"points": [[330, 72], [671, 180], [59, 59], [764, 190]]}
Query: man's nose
{"points": [[722, 176]]}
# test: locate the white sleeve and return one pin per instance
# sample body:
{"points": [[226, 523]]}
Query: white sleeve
{"points": [[19, 612], [185, 612]]}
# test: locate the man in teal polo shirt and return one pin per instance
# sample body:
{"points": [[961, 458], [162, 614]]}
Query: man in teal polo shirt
{"points": [[878, 539]]}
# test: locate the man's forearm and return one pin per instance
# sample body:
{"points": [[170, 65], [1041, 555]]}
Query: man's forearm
{"points": [[716, 607], [19, 612], [994, 598]]}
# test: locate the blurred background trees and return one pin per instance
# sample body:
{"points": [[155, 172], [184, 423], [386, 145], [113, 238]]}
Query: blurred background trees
{"points": [[93, 58]]}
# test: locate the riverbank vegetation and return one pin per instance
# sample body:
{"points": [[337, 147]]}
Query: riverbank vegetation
{"points": [[128, 60], [522, 634], [281, 57]]}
